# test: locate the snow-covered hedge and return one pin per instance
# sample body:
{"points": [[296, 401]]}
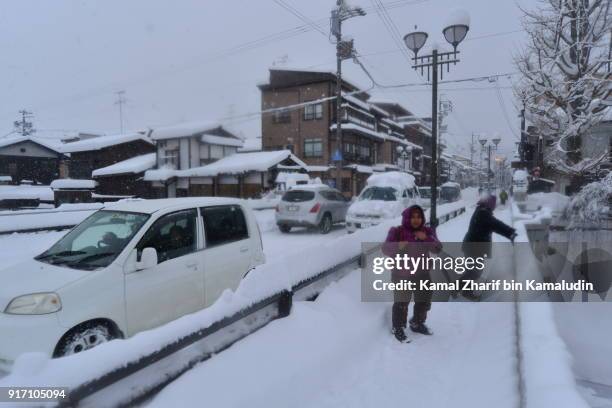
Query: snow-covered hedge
{"points": [[591, 204]]}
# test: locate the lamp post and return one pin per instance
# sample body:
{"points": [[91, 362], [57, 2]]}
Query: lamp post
{"points": [[454, 34]]}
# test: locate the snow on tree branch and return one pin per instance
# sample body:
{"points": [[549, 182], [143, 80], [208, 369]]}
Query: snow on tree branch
{"points": [[565, 81]]}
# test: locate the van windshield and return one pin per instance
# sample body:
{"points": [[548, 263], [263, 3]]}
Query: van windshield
{"points": [[379, 193], [95, 242]]}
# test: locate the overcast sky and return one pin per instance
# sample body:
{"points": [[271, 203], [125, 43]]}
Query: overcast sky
{"points": [[186, 60]]}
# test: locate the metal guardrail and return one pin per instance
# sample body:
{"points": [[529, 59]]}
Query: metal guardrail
{"points": [[282, 301]]}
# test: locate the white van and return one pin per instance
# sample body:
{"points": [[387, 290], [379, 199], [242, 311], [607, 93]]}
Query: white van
{"points": [[385, 196], [129, 267]]}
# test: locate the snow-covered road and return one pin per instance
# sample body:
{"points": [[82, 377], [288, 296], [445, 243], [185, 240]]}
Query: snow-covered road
{"points": [[338, 352]]}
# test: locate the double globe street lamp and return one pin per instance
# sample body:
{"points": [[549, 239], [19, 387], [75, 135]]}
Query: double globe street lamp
{"points": [[454, 33]]}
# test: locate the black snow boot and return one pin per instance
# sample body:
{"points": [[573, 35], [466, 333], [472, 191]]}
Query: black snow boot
{"points": [[420, 327], [400, 335]]}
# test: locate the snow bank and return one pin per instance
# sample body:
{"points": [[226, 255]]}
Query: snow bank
{"points": [[72, 184], [546, 362], [548, 377]]}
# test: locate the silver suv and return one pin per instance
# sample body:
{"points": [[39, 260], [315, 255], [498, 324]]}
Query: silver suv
{"points": [[317, 206]]}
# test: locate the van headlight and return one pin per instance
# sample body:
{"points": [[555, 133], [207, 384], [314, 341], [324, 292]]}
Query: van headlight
{"points": [[34, 304]]}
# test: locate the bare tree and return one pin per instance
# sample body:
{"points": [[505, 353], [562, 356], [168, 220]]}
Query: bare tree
{"points": [[566, 82]]}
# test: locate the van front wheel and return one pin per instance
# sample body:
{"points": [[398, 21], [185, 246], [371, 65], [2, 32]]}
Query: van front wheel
{"points": [[84, 337]]}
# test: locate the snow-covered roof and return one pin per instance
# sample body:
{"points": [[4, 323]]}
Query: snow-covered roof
{"points": [[8, 141], [221, 140], [101, 142], [317, 168], [378, 135], [185, 129], [133, 165], [73, 184], [451, 184], [242, 163], [151, 206], [283, 177], [6, 178], [384, 166], [360, 168], [362, 129], [161, 174], [251, 144]]}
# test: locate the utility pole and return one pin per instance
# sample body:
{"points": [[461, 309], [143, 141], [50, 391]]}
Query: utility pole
{"points": [[339, 141], [344, 50], [120, 101], [24, 126], [523, 145]]}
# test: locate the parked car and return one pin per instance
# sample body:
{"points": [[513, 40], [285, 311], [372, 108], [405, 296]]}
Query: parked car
{"points": [[313, 206], [425, 196], [450, 192], [129, 267], [385, 196]]}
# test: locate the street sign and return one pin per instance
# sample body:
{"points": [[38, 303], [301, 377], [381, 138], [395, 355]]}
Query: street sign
{"points": [[337, 156]]}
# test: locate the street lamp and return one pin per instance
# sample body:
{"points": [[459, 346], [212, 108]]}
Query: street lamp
{"points": [[454, 33]]}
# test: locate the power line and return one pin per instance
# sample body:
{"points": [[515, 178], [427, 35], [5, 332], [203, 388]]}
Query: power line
{"points": [[390, 26]]}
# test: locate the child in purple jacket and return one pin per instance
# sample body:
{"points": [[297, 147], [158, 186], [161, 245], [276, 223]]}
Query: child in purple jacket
{"points": [[415, 239]]}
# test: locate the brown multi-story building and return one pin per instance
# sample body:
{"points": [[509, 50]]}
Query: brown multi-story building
{"points": [[373, 140]]}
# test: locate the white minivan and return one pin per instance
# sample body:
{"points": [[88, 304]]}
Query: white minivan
{"points": [[384, 196], [131, 266]]}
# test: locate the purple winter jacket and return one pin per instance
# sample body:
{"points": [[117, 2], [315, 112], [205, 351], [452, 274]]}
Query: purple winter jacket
{"points": [[416, 248]]}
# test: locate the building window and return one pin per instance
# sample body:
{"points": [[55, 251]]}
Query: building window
{"points": [[229, 150], [313, 148], [170, 157], [314, 111], [281, 116], [161, 143], [216, 152]]}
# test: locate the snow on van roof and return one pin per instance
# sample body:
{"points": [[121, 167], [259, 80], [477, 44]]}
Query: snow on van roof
{"points": [[133, 165], [396, 179], [450, 184], [151, 206]]}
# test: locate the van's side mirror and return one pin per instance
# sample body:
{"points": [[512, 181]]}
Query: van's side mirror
{"points": [[148, 259]]}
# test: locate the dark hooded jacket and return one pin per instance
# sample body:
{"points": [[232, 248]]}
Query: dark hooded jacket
{"points": [[415, 247], [482, 225]]}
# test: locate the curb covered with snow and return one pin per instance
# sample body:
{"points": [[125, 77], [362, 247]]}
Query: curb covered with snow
{"points": [[546, 363]]}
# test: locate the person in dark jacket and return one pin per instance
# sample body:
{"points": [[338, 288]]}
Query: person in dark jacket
{"points": [[414, 239], [477, 240]]}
